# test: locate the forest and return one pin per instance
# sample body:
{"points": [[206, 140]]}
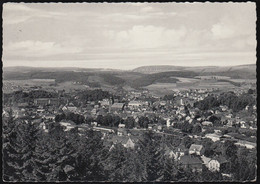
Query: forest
{"points": [[230, 99], [30, 154]]}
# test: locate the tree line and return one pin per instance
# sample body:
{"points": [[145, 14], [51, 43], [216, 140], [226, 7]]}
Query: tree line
{"points": [[109, 120]]}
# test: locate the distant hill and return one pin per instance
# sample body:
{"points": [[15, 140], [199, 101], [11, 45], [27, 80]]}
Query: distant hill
{"points": [[199, 69], [95, 79], [157, 69], [235, 72], [53, 69], [137, 78]]}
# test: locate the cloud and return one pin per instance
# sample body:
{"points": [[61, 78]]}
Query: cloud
{"points": [[16, 7], [31, 48], [221, 31], [233, 25], [150, 36], [159, 32], [147, 9], [14, 13]]}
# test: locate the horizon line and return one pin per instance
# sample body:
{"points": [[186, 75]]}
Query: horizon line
{"points": [[125, 69]]}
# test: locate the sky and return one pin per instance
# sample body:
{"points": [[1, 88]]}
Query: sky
{"points": [[128, 35]]}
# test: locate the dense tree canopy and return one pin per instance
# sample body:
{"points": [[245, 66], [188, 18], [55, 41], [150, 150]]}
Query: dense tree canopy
{"points": [[30, 154], [230, 99]]}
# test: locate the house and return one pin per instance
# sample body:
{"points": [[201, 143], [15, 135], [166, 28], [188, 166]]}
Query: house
{"points": [[133, 104], [46, 101], [244, 124], [41, 101], [223, 108], [105, 102], [136, 93], [217, 131], [180, 151], [247, 144], [103, 130], [205, 160], [217, 112], [54, 101], [129, 144], [24, 104], [229, 116], [67, 124], [93, 123], [215, 164], [69, 109], [187, 118], [94, 111], [43, 126], [190, 161], [102, 112], [169, 152], [162, 103], [196, 149], [214, 137], [117, 107], [49, 117], [121, 125], [150, 126], [112, 147], [159, 127], [207, 123], [121, 131], [67, 169], [168, 122]]}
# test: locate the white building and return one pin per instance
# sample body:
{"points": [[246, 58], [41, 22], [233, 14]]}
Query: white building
{"points": [[121, 125], [214, 137]]}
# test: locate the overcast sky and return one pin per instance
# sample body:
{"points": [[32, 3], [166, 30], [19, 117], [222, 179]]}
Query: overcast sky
{"points": [[128, 35]]}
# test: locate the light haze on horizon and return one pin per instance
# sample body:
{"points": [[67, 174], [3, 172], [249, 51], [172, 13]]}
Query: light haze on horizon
{"points": [[128, 35]]}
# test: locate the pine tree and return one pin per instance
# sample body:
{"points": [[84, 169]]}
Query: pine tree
{"points": [[43, 158], [28, 136], [168, 170], [9, 143], [19, 145], [114, 163], [62, 152], [151, 155], [90, 155], [133, 169]]}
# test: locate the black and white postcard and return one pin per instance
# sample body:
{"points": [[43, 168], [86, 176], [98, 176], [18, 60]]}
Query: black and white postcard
{"points": [[129, 92]]}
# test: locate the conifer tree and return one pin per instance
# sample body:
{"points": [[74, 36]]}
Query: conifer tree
{"points": [[43, 158], [151, 155], [9, 143], [18, 149], [133, 168], [62, 153], [114, 163], [90, 154]]}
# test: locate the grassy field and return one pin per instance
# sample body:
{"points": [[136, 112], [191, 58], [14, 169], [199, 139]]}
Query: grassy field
{"points": [[243, 80], [182, 79], [161, 89]]}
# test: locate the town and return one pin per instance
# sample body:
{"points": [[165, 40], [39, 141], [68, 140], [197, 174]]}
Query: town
{"points": [[196, 123]]}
